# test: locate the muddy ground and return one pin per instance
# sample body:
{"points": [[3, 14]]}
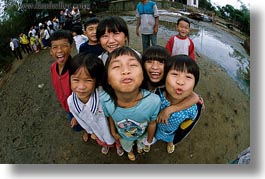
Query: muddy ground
{"points": [[34, 127]]}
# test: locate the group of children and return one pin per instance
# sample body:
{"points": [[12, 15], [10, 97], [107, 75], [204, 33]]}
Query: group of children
{"points": [[118, 96]]}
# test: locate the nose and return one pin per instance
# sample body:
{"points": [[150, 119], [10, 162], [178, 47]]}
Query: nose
{"points": [[154, 64], [111, 37], [125, 72], [81, 86], [180, 81]]}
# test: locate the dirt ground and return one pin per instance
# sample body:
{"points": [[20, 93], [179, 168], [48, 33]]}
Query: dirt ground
{"points": [[34, 127]]}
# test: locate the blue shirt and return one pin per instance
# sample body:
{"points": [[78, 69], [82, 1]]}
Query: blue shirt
{"points": [[131, 123], [166, 132], [147, 12]]}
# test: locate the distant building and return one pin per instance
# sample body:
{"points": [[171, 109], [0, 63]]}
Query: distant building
{"points": [[193, 3]]}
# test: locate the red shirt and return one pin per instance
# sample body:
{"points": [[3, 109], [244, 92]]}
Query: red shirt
{"points": [[178, 45], [61, 86]]}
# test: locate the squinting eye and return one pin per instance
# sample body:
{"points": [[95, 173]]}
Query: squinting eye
{"points": [[115, 67], [89, 80], [105, 36], [75, 80], [134, 65]]}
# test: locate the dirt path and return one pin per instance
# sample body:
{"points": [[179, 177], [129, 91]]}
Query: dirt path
{"points": [[35, 128]]}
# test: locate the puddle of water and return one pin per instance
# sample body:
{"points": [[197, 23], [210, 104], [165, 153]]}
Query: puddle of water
{"points": [[227, 52]]}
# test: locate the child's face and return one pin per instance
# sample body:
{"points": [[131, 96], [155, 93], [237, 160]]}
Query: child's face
{"points": [[111, 41], [155, 70], [125, 74], [179, 85], [60, 50], [183, 28], [82, 84], [90, 32]]}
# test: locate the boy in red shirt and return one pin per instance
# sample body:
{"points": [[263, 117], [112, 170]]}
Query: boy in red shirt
{"points": [[61, 44], [181, 44]]}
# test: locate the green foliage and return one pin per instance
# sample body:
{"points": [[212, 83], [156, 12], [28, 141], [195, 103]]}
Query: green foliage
{"points": [[205, 4], [241, 16]]}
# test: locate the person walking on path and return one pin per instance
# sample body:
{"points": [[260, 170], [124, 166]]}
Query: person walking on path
{"points": [[14, 44], [25, 42], [147, 22]]}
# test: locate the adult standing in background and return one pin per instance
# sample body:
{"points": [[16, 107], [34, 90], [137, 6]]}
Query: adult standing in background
{"points": [[17, 47], [147, 22], [62, 19], [12, 46]]}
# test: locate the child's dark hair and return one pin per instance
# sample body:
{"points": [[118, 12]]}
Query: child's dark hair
{"points": [[183, 63], [183, 19], [117, 52], [112, 24], [77, 29], [91, 62], [157, 53], [90, 21], [62, 34]]}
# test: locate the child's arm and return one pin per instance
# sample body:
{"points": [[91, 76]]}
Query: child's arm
{"points": [[113, 129], [164, 114], [151, 131]]}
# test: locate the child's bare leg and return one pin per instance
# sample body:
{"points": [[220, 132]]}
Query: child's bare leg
{"points": [[85, 136], [93, 136], [120, 150]]}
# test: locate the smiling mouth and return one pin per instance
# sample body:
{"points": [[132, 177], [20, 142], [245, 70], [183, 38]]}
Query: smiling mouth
{"points": [[113, 46], [60, 58], [155, 75]]}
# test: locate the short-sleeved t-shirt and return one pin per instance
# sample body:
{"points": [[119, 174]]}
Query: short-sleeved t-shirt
{"points": [[131, 123]]}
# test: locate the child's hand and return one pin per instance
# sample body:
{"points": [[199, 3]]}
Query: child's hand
{"points": [[163, 116], [73, 122]]}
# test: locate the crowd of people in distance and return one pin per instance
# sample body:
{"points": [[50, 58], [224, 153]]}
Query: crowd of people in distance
{"points": [[38, 36]]}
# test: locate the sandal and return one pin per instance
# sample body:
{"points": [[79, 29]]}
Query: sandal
{"points": [[139, 151], [85, 137], [147, 148], [105, 150], [120, 151], [131, 156], [170, 148]]}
